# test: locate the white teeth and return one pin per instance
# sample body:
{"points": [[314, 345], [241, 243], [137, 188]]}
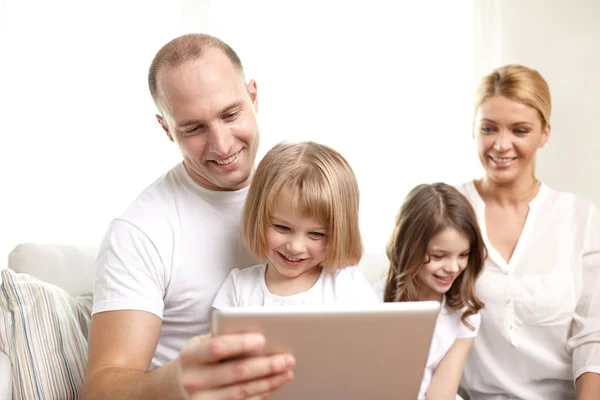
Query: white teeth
{"points": [[502, 159], [228, 160], [292, 259]]}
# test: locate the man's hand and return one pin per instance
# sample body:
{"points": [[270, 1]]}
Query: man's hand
{"points": [[228, 367]]}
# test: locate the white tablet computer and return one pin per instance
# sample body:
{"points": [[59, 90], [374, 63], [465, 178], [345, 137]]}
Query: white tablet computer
{"points": [[377, 352]]}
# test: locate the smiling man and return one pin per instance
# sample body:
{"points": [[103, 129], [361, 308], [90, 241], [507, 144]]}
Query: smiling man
{"points": [[163, 260]]}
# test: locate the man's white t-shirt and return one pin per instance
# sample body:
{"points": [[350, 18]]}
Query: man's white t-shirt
{"points": [[448, 328], [247, 287], [168, 255]]}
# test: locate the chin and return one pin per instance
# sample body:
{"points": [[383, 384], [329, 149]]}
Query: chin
{"points": [[501, 177]]}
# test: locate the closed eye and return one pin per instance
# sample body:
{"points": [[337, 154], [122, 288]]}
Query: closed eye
{"points": [[317, 235], [281, 228], [192, 131], [437, 256], [231, 116], [466, 254], [487, 129], [520, 131]]}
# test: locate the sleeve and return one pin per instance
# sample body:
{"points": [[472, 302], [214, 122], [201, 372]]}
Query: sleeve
{"points": [[585, 338], [227, 295], [361, 292], [129, 272], [463, 330], [379, 289]]}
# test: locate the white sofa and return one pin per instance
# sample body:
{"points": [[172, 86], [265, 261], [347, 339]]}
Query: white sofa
{"points": [[69, 270]]}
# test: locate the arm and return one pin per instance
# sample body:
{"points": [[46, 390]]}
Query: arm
{"points": [[121, 346], [126, 326], [588, 386], [585, 339], [446, 378]]}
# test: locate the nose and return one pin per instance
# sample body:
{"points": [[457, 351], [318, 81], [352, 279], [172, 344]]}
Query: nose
{"points": [[452, 266], [502, 142], [295, 245], [220, 140]]}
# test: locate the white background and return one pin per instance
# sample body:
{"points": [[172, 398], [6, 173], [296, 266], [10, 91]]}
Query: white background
{"points": [[388, 84]]}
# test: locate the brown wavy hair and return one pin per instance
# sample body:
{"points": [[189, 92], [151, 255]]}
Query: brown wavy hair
{"points": [[427, 210]]}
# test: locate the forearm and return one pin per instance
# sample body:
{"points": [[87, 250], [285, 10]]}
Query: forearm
{"points": [[588, 386], [123, 384]]}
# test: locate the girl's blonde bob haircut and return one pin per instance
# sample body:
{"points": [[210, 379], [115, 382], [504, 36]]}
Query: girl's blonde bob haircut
{"points": [[320, 184]]}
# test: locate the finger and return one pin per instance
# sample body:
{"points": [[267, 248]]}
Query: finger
{"points": [[231, 372], [252, 390], [208, 350]]}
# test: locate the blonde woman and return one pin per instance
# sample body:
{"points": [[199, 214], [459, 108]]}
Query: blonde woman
{"points": [[301, 218], [540, 328]]}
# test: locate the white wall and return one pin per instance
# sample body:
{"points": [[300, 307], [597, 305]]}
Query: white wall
{"points": [[79, 137], [385, 83], [561, 39], [382, 82]]}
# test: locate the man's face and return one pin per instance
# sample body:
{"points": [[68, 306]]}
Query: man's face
{"points": [[209, 111]]}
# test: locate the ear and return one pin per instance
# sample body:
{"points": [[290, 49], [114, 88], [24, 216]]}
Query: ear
{"points": [[164, 125], [545, 135], [252, 91]]}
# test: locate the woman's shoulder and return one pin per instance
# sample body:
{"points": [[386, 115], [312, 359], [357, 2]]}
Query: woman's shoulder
{"points": [[467, 189], [562, 201]]}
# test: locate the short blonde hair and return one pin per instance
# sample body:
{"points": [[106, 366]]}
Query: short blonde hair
{"points": [[518, 83], [322, 185]]}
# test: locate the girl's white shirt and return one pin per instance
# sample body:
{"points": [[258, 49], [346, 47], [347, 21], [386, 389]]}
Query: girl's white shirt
{"points": [[247, 287], [448, 328]]}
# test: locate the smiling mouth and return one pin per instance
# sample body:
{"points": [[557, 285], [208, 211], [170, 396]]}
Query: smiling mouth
{"points": [[444, 279], [291, 260], [502, 160], [228, 160]]}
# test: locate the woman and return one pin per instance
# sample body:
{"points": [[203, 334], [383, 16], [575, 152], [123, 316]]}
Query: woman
{"points": [[540, 328]]}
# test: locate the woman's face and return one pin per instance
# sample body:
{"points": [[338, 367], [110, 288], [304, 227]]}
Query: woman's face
{"points": [[508, 134]]}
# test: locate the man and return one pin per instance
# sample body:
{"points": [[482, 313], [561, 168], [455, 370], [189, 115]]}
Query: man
{"points": [[163, 260]]}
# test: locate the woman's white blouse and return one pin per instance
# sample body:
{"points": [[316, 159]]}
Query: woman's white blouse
{"points": [[540, 328]]}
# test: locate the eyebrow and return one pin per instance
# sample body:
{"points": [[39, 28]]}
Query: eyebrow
{"points": [[434, 249], [276, 220], [513, 124], [229, 108]]}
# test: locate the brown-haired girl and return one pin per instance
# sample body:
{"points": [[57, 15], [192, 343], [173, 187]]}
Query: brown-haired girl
{"points": [[436, 253]]}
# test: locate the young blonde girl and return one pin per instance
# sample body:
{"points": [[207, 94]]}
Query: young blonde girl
{"points": [[301, 220], [436, 252]]}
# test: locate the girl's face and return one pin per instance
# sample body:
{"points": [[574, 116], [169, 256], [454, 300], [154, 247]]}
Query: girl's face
{"points": [[448, 255], [508, 134], [296, 244]]}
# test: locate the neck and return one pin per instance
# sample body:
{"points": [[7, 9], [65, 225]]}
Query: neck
{"points": [[431, 295], [280, 285], [514, 193]]}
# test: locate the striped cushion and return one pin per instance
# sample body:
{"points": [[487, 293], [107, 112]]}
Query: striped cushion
{"points": [[43, 330]]}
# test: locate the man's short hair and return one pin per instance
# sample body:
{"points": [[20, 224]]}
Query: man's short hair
{"points": [[185, 48]]}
